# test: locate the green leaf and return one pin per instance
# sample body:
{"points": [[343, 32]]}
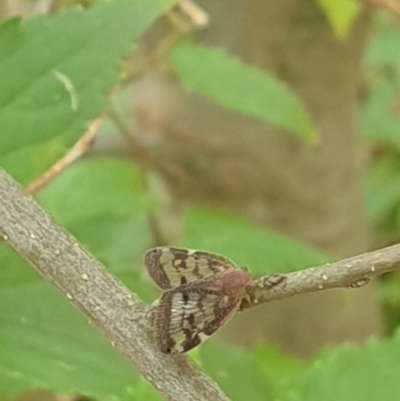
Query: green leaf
{"points": [[48, 344], [261, 250], [56, 72], [351, 373], [384, 47], [378, 121], [341, 15], [355, 373], [236, 371], [143, 391], [27, 163], [241, 87], [283, 371], [94, 186], [382, 189]]}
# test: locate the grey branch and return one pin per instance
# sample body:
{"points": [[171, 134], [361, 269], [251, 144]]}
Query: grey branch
{"points": [[349, 273], [118, 314]]}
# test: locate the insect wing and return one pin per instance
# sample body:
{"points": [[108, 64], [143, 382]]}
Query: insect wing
{"points": [[172, 267], [186, 316]]}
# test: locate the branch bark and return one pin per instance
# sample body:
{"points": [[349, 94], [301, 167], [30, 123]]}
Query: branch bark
{"points": [[348, 273], [122, 317], [118, 314]]}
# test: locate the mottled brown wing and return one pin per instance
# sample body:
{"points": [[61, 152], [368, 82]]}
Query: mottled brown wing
{"points": [[172, 267], [186, 316]]}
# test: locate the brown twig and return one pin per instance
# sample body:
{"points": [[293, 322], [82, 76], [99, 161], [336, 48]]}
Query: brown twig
{"points": [[184, 18], [79, 149], [195, 13], [117, 313]]}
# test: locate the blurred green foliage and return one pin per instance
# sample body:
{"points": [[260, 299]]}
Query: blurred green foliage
{"points": [[341, 14], [380, 130], [55, 74], [51, 89], [241, 87]]}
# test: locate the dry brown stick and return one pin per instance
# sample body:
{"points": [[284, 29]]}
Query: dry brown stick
{"points": [[194, 12], [79, 149], [118, 314], [354, 272]]}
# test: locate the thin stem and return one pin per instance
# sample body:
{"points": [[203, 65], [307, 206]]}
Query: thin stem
{"points": [[77, 151], [354, 272]]}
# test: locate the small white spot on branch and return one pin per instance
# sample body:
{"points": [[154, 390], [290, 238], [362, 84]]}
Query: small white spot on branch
{"points": [[360, 283]]}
